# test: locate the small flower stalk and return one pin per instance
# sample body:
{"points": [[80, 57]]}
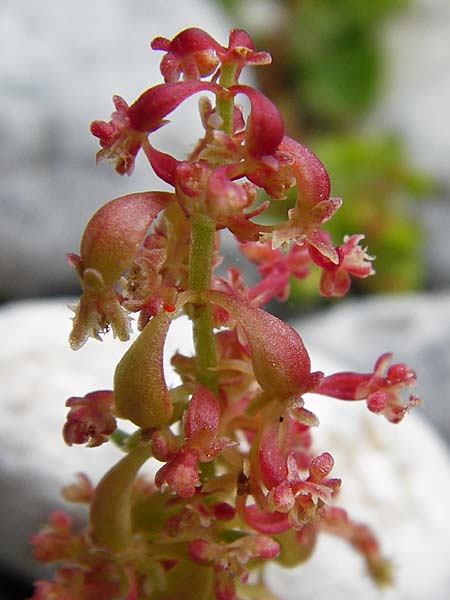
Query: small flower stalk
{"points": [[237, 483]]}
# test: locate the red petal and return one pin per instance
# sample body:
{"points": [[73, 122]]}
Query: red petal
{"points": [[312, 179], [163, 164], [343, 385], [191, 40], [148, 111], [203, 412], [265, 127], [240, 38], [271, 460]]}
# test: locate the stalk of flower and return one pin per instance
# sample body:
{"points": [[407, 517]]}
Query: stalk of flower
{"points": [[238, 483]]}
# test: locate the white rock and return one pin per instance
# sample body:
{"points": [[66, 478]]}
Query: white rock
{"points": [[416, 96], [395, 478], [414, 104]]}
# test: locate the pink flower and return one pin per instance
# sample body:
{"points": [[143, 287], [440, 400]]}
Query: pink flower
{"points": [[119, 141], [301, 499], [337, 522], [353, 260], [122, 137], [229, 560], [202, 444], [192, 53], [55, 541], [276, 268], [108, 247], [90, 419], [384, 389], [280, 360]]}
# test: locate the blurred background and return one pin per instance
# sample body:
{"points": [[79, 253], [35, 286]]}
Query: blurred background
{"points": [[344, 78], [366, 85]]}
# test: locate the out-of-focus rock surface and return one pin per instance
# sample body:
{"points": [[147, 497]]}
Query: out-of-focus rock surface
{"points": [[391, 474], [417, 90], [414, 104]]}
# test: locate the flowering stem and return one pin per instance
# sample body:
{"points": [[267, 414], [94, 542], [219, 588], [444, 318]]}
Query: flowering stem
{"points": [[200, 262], [225, 105], [120, 438]]}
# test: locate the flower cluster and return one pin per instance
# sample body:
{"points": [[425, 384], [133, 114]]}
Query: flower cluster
{"points": [[238, 482]]}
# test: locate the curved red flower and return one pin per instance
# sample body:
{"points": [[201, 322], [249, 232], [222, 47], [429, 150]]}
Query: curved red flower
{"points": [[192, 54], [385, 390]]}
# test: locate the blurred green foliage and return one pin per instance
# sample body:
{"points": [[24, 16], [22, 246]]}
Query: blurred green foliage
{"points": [[333, 61], [327, 73], [377, 184]]}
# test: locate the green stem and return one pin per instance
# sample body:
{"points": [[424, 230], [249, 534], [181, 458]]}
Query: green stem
{"points": [[225, 105], [200, 263]]}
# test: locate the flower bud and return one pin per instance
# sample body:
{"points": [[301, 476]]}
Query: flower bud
{"points": [[265, 127], [188, 580], [321, 466], [140, 388], [192, 53], [115, 232], [313, 182], [111, 504], [280, 360]]}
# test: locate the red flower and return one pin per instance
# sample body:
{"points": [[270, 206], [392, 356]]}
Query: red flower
{"points": [[229, 560], [119, 141], [55, 541], [383, 389], [241, 51], [90, 419], [353, 260], [123, 136], [202, 444], [108, 247], [192, 53]]}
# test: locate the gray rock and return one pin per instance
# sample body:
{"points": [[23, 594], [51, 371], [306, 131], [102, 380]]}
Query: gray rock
{"points": [[390, 473], [414, 104], [416, 96], [61, 64]]}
